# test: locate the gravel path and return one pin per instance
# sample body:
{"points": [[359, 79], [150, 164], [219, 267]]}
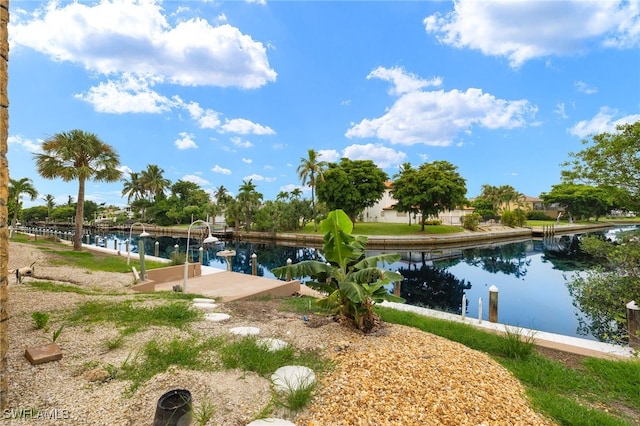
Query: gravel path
{"points": [[398, 377]]}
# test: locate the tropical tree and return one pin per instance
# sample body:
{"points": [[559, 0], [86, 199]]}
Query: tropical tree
{"points": [[354, 283], [50, 202], [133, 187], [18, 187], [430, 189], [352, 186], [296, 192], [78, 155], [580, 201], [310, 171], [248, 202], [153, 182], [611, 160]]}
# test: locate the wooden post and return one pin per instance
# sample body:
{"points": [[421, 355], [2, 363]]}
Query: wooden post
{"points": [[200, 254], [156, 252], [254, 264], [176, 249], [288, 269], [633, 324], [493, 304], [396, 288]]}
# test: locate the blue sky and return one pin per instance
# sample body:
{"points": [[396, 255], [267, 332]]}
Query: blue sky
{"points": [[219, 92]]}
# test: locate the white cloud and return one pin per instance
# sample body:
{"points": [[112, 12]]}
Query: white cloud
{"points": [[206, 118], [560, 110], [383, 157], [195, 179], [123, 36], [239, 142], [247, 160], [403, 82], [221, 170], [524, 30], [128, 94], [436, 117], [185, 141], [278, 146], [583, 87], [423, 157], [328, 155], [242, 126], [602, 122], [258, 178], [27, 144]]}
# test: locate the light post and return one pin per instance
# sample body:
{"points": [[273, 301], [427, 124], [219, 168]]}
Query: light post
{"points": [[142, 235], [209, 239]]}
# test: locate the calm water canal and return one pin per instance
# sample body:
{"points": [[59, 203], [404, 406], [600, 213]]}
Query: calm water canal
{"points": [[531, 276]]}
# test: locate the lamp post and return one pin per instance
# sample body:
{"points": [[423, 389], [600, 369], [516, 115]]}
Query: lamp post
{"points": [[143, 234], [209, 239]]}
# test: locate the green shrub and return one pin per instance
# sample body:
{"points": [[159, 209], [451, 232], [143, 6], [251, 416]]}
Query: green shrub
{"points": [[433, 222], [517, 217], [40, 319], [537, 215], [471, 221]]}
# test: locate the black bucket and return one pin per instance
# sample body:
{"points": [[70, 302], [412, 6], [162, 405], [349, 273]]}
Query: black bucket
{"points": [[173, 409]]}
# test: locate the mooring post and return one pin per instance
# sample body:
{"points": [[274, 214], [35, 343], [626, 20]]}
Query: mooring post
{"points": [[464, 305], [176, 251], [633, 324], [254, 264], [200, 254], [156, 252], [397, 288], [288, 269], [480, 310], [493, 304]]}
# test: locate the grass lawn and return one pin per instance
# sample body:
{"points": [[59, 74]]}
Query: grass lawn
{"points": [[378, 228]]}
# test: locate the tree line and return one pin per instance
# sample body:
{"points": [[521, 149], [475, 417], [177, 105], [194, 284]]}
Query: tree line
{"points": [[603, 176]]}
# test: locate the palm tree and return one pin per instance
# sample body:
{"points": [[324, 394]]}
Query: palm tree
{"points": [[16, 189], [50, 201], [296, 193], [248, 200], [310, 171], [78, 155], [153, 182], [221, 195], [133, 187], [282, 195]]}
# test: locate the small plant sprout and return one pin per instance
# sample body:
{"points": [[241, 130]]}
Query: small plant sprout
{"points": [[40, 319]]}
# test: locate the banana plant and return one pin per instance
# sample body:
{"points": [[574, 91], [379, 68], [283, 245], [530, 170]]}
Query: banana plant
{"points": [[353, 283]]}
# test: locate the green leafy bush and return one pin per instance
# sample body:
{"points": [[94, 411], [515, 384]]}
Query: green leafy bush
{"points": [[537, 215], [40, 319], [471, 221], [517, 217]]}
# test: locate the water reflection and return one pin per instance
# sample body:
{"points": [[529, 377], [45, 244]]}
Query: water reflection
{"points": [[531, 276]]}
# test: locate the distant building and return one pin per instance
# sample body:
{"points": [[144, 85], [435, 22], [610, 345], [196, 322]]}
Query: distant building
{"points": [[383, 212]]}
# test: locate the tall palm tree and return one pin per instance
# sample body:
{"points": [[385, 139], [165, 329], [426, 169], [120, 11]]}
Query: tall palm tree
{"points": [[221, 195], [133, 187], [50, 202], [311, 170], [248, 200], [78, 155], [16, 189], [153, 182]]}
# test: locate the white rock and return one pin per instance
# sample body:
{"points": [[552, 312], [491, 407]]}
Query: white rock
{"points": [[271, 344], [292, 377], [205, 305], [202, 300], [245, 331], [216, 317], [271, 422]]}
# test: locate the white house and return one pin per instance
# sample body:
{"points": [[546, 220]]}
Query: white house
{"points": [[383, 211]]}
